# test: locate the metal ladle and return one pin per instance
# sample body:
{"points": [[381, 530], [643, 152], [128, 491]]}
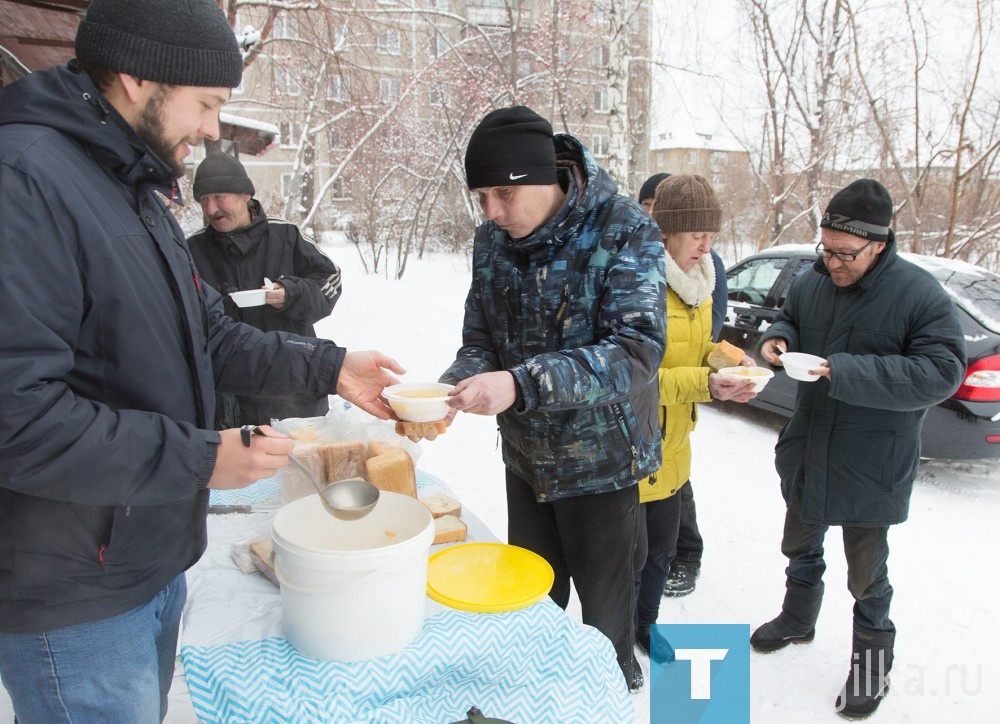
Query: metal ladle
{"points": [[348, 499]]}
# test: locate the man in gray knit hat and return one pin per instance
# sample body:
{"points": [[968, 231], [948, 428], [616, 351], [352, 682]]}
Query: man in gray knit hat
{"points": [[239, 248], [111, 350]]}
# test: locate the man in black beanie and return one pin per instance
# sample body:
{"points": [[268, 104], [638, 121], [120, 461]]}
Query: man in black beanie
{"points": [[111, 349], [240, 248], [893, 347], [565, 326]]}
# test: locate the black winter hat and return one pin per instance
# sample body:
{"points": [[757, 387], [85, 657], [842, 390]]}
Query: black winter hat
{"points": [[864, 209], [178, 43], [648, 188], [686, 203], [220, 173], [511, 147]]}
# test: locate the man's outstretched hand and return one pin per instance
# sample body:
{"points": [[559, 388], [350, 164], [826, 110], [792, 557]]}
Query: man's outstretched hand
{"points": [[363, 376]]}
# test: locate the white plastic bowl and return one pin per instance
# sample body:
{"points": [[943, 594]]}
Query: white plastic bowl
{"points": [[419, 401], [249, 297], [759, 375], [798, 364]]}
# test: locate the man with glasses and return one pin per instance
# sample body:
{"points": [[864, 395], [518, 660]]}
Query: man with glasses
{"points": [[893, 347]]}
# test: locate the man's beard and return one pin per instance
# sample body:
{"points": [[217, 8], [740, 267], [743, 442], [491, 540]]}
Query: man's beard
{"points": [[149, 127]]}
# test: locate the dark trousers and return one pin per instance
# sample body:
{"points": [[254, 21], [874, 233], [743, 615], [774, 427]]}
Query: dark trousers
{"points": [[689, 543], [658, 536], [867, 553], [590, 539]]}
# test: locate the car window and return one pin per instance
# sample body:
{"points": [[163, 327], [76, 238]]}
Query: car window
{"points": [[977, 293], [800, 265], [750, 281]]}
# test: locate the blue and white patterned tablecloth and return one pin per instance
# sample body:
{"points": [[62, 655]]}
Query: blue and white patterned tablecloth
{"points": [[532, 666]]}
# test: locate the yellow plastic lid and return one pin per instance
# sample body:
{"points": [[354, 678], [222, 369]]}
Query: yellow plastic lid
{"points": [[488, 577]]}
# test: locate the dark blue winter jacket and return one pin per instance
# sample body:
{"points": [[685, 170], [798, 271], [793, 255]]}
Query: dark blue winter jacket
{"points": [[577, 313], [110, 351], [895, 347]]}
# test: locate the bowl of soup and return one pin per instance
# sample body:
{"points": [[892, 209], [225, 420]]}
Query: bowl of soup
{"points": [[419, 401], [759, 375]]}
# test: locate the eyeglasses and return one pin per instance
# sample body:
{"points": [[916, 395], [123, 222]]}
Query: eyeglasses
{"points": [[842, 255]]}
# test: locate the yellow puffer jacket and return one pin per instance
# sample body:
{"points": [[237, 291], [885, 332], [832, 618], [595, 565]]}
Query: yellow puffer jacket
{"points": [[683, 382]]}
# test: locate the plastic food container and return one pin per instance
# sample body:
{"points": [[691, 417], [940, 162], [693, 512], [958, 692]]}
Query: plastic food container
{"points": [[419, 401], [759, 375], [798, 364], [249, 297]]}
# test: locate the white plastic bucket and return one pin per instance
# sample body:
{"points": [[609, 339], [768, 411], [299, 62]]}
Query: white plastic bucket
{"points": [[352, 590]]}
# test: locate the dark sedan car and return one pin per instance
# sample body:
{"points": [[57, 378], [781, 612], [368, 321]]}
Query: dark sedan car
{"points": [[967, 425]]}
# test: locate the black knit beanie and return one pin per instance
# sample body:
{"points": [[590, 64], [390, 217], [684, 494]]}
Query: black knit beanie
{"points": [[511, 147], [686, 203], [220, 173], [648, 189], [178, 43], [864, 209]]}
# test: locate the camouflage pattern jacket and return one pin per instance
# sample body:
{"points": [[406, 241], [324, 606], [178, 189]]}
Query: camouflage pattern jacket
{"points": [[576, 312]]}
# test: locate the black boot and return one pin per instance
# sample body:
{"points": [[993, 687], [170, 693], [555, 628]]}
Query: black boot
{"points": [[868, 682], [796, 624], [680, 581], [652, 643], [633, 675]]}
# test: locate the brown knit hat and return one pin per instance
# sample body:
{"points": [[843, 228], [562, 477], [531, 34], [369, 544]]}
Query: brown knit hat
{"points": [[686, 203]]}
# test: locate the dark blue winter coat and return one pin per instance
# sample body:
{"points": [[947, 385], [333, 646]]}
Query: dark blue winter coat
{"points": [[895, 347], [110, 352], [577, 313]]}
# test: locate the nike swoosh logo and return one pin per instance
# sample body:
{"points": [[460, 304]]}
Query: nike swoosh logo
{"points": [[515, 178]]}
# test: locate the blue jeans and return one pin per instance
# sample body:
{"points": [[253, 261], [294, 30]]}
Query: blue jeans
{"points": [[116, 670], [867, 553]]}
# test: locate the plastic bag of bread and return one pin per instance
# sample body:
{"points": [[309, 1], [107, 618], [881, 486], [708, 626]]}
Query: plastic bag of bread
{"points": [[347, 443]]}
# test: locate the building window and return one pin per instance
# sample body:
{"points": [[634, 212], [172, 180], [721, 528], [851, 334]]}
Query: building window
{"points": [[692, 158], [599, 147], [286, 27], [388, 41], [340, 88], [339, 188], [439, 46], [434, 96], [717, 161], [285, 81], [291, 133], [601, 56], [601, 100], [388, 90], [286, 184]]}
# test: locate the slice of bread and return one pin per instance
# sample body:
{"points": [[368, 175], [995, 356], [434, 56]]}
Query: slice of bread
{"points": [[725, 355], [392, 471], [342, 460], [440, 504], [421, 429], [449, 529], [262, 555]]}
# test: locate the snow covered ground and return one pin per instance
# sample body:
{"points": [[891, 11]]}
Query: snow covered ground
{"points": [[941, 567], [942, 564]]}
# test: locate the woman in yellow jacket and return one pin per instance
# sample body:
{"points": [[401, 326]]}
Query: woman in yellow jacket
{"points": [[689, 214]]}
